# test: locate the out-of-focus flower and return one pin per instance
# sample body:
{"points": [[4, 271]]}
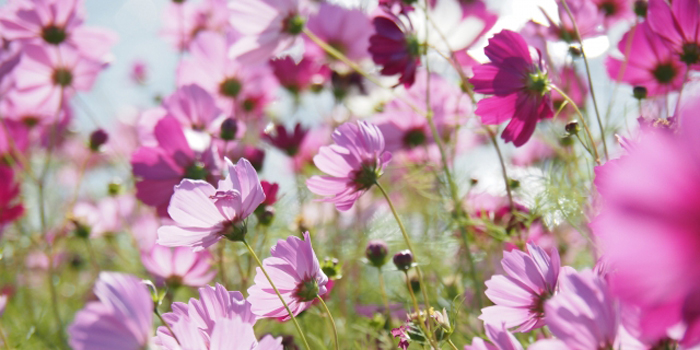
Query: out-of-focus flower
{"points": [[10, 207], [533, 152], [678, 24], [121, 319], [295, 271], [160, 168], [106, 216], [239, 90], [648, 225], [309, 147], [179, 266], [269, 27], [204, 214], [139, 72], [520, 297], [500, 339], [194, 108], [585, 12], [651, 63], [574, 86], [615, 11], [395, 47], [265, 212], [47, 77], [3, 303], [354, 163], [285, 141], [520, 87], [377, 252], [183, 21], [298, 77], [14, 139], [403, 260], [346, 30]]}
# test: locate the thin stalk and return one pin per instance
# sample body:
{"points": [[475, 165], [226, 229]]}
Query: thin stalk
{"points": [[472, 266], [588, 74], [4, 339], [155, 310], [328, 312], [423, 321], [504, 172], [583, 121], [407, 239], [294, 320], [382, 289], [449, 341]]}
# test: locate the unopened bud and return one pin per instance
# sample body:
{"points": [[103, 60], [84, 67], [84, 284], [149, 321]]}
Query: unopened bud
{"points": [[331, 268], [639, 92], [377, 252], [265, 215], [114, 188], [98, 138], [572, 127], [229, 128], [403, 260], [575, 51]]}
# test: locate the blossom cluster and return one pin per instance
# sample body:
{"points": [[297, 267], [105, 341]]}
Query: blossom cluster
{"points": [[469, 180]]}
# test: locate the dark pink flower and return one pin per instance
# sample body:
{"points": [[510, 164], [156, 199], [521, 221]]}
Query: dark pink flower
{"points": [[159, 168], [584, 12], [121, 319], [648, 226], [678, 24], [285, 141], [298, 77], [394, 47], [10, 207], [574, 86], [295, 271], [614, 11], [520, 87], [270, 190], [354, 163], [651, 63]]}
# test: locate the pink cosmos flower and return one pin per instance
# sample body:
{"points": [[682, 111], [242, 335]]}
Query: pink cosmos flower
{"points": [[285, 141], [269, 27], [615, 11], [520, 296], [347, 30], [587, 20], [519, 86], [10, 207], [14, 138], [194, 108], [55, 22], [500, 339], [651, 62], [121, 319], [46, 77], [239, 90], [298, 77], [179, 266], [533, 152], [184, 21], [648, 226], [204, 214], [354, 163], [218, 320], [309, 147], [295, 271], [678, 24], [105, 216], [583, 315], [160, 168], [139, 72], [395, 47], [574, 86]]}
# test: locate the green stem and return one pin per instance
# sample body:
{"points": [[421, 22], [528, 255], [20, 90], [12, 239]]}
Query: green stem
{"points": [[583, 121], [382, 289], [294, 320], [449, 341], [4, 339], [420, 315], [472, 266], [328, 312], [504, 172], [588, 74], [155, 310]]}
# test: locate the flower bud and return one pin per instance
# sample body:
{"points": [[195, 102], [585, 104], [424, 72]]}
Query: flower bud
{"points": [[572, 127], [229, 128], [403, 260], [114, 188], [641, 7], [639, 92], [265, 214], [575, 51], [377, 252], [98, 138], [332, 268]]}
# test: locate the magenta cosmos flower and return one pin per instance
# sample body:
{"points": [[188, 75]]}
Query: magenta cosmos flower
{"points": [[395, 47], [47, 77], [354, 163], [160, 168], [520, 87], [287, 142], [500, 339], [204, 214], [10, 207], [520, 296], [347, 30], [295, 271], [178, 266], [648, 225], [122, 318], [269, 27], [679, 24], [614, 11], [651, 63], [299, 77]]}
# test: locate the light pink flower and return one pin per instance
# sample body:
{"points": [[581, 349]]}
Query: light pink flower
{"points": [[585, 12], [194, 108], [106, 216], [184, 21], [651, 63], [347, 30], [533, 152], [519, 85], [569, 81], [121, 319], [615, 11], [179, 266], [520, 296], [295, 271], [239, 90], [203, 214], [139, 72], [500, 339], [648, 226], [269, 27], [354, 163], [47, 77]]}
